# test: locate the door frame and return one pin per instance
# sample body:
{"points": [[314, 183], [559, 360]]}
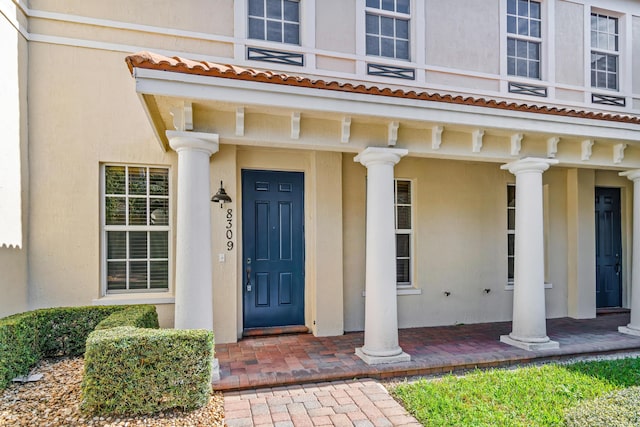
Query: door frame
{"points": [[241, 248]]}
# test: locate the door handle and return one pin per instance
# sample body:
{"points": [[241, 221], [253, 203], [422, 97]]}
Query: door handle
{"points": [[248, 284], [617, 265]]}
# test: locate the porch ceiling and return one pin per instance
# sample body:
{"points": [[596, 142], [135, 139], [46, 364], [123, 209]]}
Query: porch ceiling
{"points": [[248, 107]]}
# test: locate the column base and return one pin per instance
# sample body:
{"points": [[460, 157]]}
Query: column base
{"points": [[628, 330], [529, 346], [215, 370], [378, 360]]}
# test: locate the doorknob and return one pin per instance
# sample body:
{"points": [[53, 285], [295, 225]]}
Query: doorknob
{"points": [[248, 284], [617, 264]]}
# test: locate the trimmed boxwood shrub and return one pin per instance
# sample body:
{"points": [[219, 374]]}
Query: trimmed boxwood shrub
{"points": [[138, 316], [142, 371], [25, 338], [620, 408]]}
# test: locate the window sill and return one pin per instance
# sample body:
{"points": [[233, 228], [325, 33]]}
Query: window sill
{"points": [[547, 285], [145, 298], [402, 291]]}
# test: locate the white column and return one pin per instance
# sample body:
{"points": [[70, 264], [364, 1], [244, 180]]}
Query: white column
{"points": [[529, 328], [633, 328], [193, 287], [381, 308]]}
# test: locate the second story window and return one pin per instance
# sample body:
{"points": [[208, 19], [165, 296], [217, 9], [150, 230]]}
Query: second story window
{"points": [[604, 51], [387, 28], [524, 38], [275, 20]]}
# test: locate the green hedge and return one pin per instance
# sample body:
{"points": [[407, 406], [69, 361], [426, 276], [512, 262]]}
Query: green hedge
{"points": [[25, 338], [138, 316], [142, 371]]}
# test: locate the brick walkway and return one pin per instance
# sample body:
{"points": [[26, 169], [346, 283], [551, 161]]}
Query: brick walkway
{"points": [[343, 403], [297, 359]]}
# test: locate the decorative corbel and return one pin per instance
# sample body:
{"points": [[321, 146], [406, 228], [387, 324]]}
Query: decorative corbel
{"points": [[552, 146], [295, 125], [476, 140], [618, 153], [587, 144], [182, 117], [516, 143], [240, 121], [346, 130], [436, 137], [393, 133]]}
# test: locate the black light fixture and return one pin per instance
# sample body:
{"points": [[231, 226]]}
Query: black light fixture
{"points": [[221, 196]]}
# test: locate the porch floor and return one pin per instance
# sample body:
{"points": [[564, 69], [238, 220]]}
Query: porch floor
{"points": [[294, 359]]}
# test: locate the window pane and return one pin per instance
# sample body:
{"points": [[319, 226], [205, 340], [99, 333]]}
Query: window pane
{"points": [[511, 66], [511, 196], [387, 47], [593, 78], [373, 45], [534, 28], [137, 181], [511, 244], [534, 51], [613, 43], [510, 269], [612, 63], [403, 6], [403, 192], [291, 11], [594, 39], [292, 33], [256, 29], [511, 24], [511, 47], [602, 40], [159, 275], [534, 69], [612, 81], [256, 8], [138, 244], [601, 80], [159, 241], [404, 217], [402, 245], [511, 219], [521, 68], [138, 211], [116, 244], [523, 26], [523, 7], [386, 26], [511, 7], [521, 48], [116, 275], [115, 211], [402, 271], [373, 3], [402, 29], [274, 31], [138, 275], [534, 9], [114, 180], [402, 49], [613, 25], [388, 5], [373, 24], [274, 9], [158, 182]]}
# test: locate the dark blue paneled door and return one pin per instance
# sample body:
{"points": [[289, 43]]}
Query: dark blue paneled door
{"points": [[273, 248], [608, 248]]}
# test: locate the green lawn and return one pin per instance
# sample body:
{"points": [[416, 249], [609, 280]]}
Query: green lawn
{"points": [[530, 396]]}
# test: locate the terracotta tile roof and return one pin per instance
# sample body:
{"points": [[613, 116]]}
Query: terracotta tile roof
{"points": [[153, 61]]}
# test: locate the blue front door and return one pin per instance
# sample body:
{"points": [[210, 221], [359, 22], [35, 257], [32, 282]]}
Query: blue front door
{"points": [[273, 248], [608, 248]]}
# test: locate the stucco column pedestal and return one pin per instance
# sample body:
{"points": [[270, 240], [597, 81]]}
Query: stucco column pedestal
{"points": [[633, 328], [193, 287], [381, 306], [529, 328]]}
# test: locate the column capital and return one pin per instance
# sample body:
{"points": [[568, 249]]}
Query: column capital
{"points": [[529, 164], [633, 174], [380, 155], [199, 141]]}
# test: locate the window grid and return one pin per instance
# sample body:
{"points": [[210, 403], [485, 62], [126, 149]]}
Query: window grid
{"points": [[387, 28], [274, 20], [524, 40], [404, 231], [511, 231], [136, 244], [604, 51]]}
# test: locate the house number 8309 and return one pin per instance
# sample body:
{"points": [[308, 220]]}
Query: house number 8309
{"points": [[229, 231]]}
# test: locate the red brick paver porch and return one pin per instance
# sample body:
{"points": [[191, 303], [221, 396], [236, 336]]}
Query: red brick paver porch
{"points": [[297, 359]]}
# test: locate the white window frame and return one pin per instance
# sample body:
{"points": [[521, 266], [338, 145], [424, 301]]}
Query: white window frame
{"points": [[395, 16], [280, 21], [526, 38], [134, 295], [410, 232], [617, 53]]}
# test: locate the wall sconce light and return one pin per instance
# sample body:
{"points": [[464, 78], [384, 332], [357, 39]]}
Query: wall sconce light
{"points": [[486, 290], [221, 196], [446, 293]]}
